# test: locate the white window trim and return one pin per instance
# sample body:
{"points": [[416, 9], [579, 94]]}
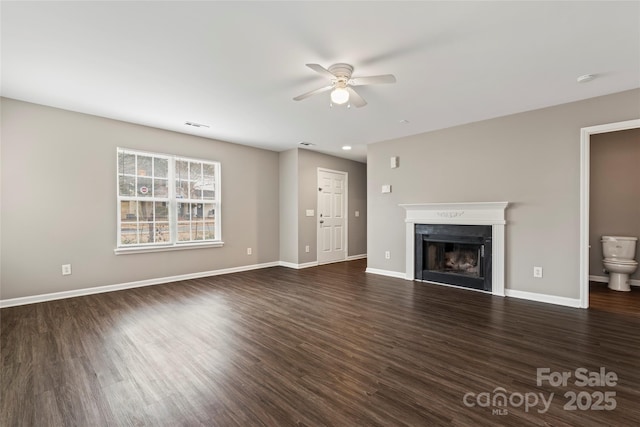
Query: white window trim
{"points": [[177, 247], [172, 201]]}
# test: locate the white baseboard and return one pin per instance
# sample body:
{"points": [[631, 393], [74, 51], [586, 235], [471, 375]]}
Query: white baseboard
{"points": [[297, 266], [550, 299], [569, 302], [388, 273], [316, 263], [605, 279], [12, 302], [130, 285]]}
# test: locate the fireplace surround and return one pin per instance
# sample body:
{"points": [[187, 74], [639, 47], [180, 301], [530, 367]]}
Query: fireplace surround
{"points": [[492, 214]]}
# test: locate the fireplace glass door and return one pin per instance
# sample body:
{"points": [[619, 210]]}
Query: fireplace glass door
{"points": [[455, 258], [454, 254]]}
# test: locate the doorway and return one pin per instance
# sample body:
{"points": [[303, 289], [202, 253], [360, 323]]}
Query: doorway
{"points": [[585, 150], [332, 222]]}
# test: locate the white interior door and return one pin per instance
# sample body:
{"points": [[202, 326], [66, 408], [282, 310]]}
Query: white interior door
{"points": [[332, 216]]}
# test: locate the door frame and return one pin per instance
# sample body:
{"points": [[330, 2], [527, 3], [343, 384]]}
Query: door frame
{"points": [[345, 213], [585, 171]]}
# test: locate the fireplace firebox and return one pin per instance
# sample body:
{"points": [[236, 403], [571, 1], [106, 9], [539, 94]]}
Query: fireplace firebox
{"points": [[454, 254]]}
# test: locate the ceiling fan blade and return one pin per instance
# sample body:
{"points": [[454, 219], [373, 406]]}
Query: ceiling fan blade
{"points": [[355, 99], [320, 69], [372, 80], [313, 92]]}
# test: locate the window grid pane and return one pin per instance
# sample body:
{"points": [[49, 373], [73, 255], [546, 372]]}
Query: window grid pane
{"points": [[196, 221], [145, 213]]}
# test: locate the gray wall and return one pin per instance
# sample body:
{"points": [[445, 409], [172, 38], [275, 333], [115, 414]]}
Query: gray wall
{"points": [[308, 164], [299, 192], [59, 202], [614, 191], [531, 160], [289, 206]]}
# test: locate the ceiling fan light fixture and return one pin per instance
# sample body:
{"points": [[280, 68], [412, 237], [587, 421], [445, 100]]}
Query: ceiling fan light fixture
{"points": [[340, 88], [339, 96]]}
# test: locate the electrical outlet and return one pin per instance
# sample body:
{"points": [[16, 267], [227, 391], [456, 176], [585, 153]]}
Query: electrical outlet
{"points": [[249, 251], [66, 269], [387, 255], [306, 248], [537, 272]]}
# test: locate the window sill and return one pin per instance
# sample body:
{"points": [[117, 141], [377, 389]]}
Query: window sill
{"points": [[148, 249]]}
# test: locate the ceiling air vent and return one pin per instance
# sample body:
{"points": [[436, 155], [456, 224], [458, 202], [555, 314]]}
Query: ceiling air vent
{"points": [[196, 125]]}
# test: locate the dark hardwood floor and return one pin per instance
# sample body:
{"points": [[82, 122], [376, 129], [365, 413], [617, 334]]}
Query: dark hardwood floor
{"points": [[328, 345], [601, 298]]}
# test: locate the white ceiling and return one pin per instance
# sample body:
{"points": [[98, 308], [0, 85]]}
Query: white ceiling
{"points": [[237, 65]]}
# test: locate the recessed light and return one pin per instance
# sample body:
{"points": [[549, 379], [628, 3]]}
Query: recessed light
{"points": [[346, 147], [404, 121], [586, 78]]}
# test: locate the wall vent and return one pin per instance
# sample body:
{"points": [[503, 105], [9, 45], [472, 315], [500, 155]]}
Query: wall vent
{"points": [[196, 125]]}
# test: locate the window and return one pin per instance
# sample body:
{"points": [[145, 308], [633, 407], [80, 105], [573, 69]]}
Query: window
{"points": [[166, 202]]}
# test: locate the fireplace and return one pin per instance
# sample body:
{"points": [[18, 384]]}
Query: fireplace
{"points": [[454, 254], [490, 267]]}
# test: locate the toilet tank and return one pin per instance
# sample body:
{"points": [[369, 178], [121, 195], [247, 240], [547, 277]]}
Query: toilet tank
{"points": [[619, 247]]}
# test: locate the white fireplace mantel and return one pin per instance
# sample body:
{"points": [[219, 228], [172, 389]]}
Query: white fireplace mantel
{"points": [[473, 213]]}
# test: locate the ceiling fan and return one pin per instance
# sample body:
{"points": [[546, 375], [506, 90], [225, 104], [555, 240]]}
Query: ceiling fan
{"points": [[342, 82]]}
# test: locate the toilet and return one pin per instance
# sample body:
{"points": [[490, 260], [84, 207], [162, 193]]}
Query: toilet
{"points": [[619, 253]]}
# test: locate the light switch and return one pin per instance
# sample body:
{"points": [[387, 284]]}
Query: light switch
{"points": [[357, 214], [310, 212], [386, 189], [394, 162]]}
